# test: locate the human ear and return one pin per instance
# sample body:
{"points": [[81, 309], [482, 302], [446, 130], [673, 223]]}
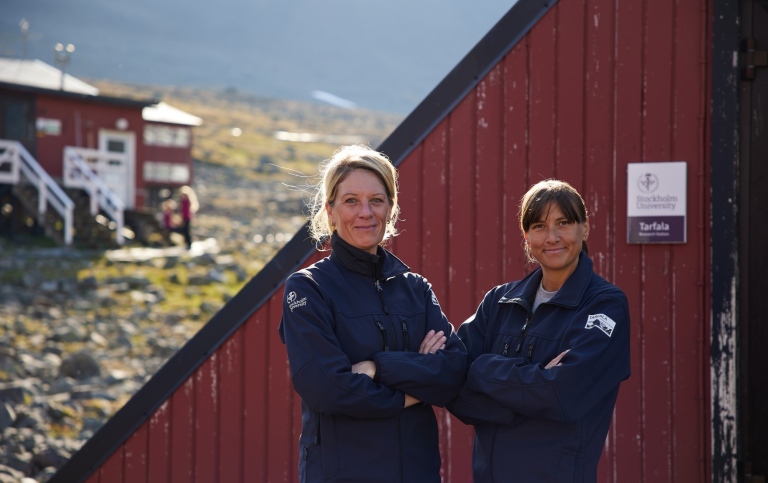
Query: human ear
{"points": [[329, 213], [586, 229]]}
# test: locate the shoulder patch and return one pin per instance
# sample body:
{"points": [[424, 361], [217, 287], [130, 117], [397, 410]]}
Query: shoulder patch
{"points": [[602, 322], [434, 299], [293, 301]]}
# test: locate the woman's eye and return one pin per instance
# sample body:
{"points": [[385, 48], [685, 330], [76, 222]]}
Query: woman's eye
{"points": [[350, 201]]}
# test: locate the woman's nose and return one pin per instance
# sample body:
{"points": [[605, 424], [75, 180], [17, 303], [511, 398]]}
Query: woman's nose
{"points": [[553, 234], [365, 209]]}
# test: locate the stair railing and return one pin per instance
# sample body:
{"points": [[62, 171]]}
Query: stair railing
{"points": [[20, 162], [78, 174]]}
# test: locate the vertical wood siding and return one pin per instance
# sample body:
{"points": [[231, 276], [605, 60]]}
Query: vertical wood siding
{"points": [[595, 85]]}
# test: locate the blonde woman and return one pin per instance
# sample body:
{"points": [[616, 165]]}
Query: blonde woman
{"points": [[369, 348]]}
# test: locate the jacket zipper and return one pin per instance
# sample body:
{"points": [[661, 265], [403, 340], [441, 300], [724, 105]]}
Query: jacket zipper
{"points": [[406, 339], [379, 290], [383, 333], [381, 299], [530, 351], [506, 348], [522, 335]]}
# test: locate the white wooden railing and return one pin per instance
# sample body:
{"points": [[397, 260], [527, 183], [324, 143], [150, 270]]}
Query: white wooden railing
{"points": [[79, 174], [15, 162]]}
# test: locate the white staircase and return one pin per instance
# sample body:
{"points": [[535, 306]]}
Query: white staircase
{"points": [[18, 167], [78, 174]]}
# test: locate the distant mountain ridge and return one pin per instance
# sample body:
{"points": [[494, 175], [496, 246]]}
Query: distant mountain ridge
{"points": [[380, 55]]}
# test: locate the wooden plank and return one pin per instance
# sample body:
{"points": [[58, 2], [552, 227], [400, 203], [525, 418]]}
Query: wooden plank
{"points": [[434, 215], [461, 209], [231, 427], [407, 246], [159, 441], [135, 455], [206, 420], [182, 432], [255, 411], [541, 107], [489, 187], [690, 309], [570, 83], [624, 458], [658, 357], [112, 469], [516, 156], [282, 450]]}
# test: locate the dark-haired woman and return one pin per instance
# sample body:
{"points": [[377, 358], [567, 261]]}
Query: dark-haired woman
{"points": [[546, 354]]}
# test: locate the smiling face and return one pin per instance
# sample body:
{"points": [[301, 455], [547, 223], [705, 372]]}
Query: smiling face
{"points": [[555, 242], [360, 210]]}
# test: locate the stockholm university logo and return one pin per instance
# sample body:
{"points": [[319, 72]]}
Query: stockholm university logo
{"points": [[648, 183]]}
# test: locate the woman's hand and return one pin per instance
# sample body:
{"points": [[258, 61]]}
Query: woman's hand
{"points": [[365, 367], [556, 361], [410, 401], [433, 342]]}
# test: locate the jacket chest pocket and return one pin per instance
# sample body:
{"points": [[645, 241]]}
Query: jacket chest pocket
{"points": [[540, 350], [505, 344], [361, 337], [411, 329]]}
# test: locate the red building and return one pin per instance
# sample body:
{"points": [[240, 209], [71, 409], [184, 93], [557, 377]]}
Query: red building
{"points": [[134, 148], [574, 89]]}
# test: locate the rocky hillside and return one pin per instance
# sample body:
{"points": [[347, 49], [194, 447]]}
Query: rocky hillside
{"points": [[82, 331]]}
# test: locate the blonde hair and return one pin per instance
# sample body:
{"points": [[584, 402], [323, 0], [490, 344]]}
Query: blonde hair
{"points": [[190, 193], [334, 170]]}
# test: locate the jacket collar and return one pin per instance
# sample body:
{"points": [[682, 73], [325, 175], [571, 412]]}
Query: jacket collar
{"points": [[381, 266], [569, 295]]}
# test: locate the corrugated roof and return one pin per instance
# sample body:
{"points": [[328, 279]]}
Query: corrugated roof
{"points": [[162, 112], [36, 73]]}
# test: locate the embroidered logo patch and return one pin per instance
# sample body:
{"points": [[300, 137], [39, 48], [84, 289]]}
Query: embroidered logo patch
{"points": [[434, 299], [292, 301], [602, 322]]}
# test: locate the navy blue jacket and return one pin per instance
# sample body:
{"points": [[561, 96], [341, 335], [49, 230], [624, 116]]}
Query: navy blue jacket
{"points": [[343, 310], [537, 424]]}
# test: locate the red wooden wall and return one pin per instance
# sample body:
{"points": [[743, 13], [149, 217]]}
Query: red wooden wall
{"points": [[595, 84]]}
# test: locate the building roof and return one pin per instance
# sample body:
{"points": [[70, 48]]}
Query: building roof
{"points": [[36, 73], [162, 112]]}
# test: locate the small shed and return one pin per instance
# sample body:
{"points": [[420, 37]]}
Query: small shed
{"points": [[130, 148], [584, 91]]}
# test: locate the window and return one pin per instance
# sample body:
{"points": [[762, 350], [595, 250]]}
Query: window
{"points": [[160, 172], [156, 135]]}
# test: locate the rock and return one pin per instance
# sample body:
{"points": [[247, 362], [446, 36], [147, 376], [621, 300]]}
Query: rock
{"points": [[80, 366], [51, 457], [88, 283], [10, 475], [21, 461], [7, 416]]}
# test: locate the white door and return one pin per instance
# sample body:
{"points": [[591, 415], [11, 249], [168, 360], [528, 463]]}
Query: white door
{"points": [[117, 171]]}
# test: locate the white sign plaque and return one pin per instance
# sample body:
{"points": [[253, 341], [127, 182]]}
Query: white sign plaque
{"points": [[656, 209]]}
